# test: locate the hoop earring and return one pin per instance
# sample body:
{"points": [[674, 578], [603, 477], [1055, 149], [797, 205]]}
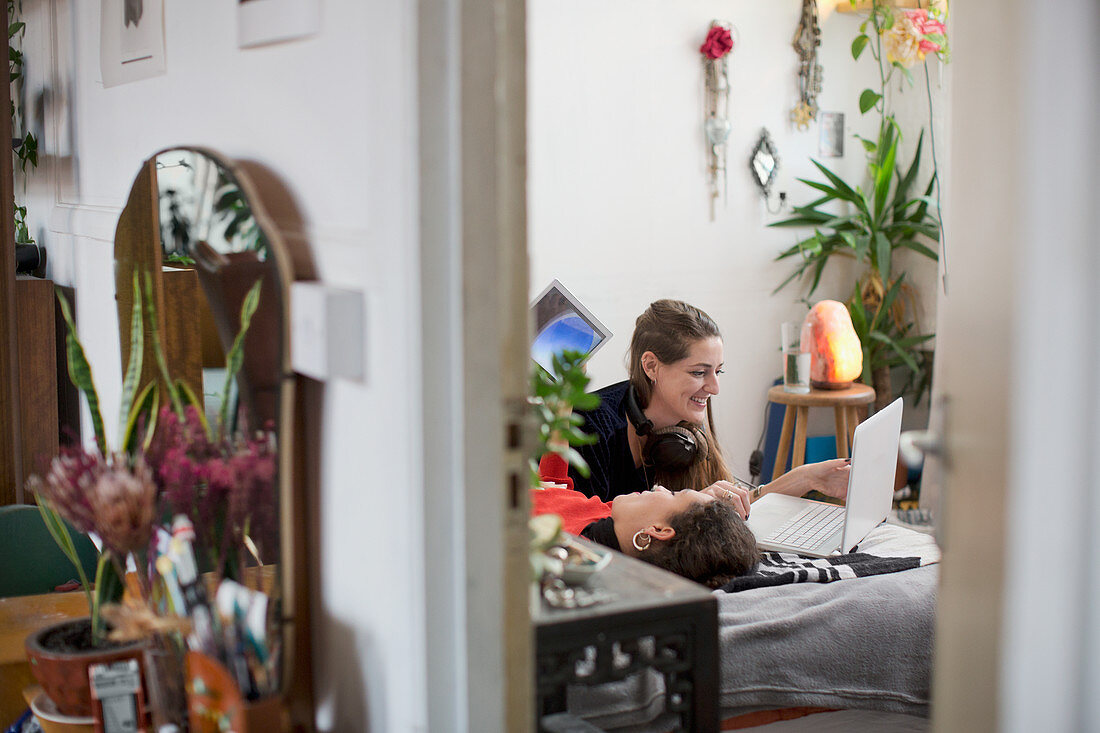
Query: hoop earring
{"points": [[641, 533]]}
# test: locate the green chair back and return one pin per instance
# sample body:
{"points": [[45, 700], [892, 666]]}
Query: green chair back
{"points": [[30, 560]]}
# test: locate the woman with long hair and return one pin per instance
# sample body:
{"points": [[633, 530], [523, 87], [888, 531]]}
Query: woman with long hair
{"points": [[657, 428]]}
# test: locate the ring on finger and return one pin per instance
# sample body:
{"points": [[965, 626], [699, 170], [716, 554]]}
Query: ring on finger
{"points": [[728, 494]]}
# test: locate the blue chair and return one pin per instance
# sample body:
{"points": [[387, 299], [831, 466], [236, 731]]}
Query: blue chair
{"points": [[32, 562]]}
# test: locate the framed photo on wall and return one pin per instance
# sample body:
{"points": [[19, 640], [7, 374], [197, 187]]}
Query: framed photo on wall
{"points": [[562, 322]]}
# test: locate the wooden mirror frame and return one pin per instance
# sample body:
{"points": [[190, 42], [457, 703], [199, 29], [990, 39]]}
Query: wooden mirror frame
{"points": [[299, 401]]}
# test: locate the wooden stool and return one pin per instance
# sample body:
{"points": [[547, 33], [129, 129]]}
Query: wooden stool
{"points": [[849, 405]]}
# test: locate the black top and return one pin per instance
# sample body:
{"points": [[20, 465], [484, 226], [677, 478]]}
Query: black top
{"points": [[609, 458]]}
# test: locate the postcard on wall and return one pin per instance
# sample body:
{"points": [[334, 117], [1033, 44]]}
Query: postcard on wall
{"points": [[831, 135], [131, 40], [562, 322], [260, 22]]}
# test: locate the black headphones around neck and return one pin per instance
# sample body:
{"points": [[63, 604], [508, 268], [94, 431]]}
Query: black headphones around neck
{"points": [[673, 448]]}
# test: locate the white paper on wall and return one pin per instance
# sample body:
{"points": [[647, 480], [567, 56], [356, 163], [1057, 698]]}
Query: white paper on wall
{"points": [[131, 40]]}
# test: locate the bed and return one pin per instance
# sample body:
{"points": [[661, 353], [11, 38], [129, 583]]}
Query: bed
{"points": [[840, 644]]}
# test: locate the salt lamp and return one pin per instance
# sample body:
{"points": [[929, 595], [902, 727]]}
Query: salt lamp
{"points": [[836, 355]]}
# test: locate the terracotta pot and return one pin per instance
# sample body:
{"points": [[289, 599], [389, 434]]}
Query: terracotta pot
{"points": [[63, 675]]}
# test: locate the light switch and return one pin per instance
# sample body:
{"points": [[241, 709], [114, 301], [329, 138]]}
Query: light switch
{"points": [[327, 331]]}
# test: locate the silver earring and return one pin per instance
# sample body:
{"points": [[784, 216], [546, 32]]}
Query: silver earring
{"points": [[637, 541]]}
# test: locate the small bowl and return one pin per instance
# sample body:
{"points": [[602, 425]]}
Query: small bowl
{"points": [[580, 573]]}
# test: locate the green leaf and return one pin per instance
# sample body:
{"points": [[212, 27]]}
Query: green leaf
{"points": [[133, 368], [843, 190], [144, 404], [906, 358], [908, 74], [80, 372], [920, 248], [234, 360], [868, 99], [188, 396], [883, 250], [862, 247], [57, 528], [154, 332], [883, 177], [869, 145], [858, 44], [576, 460]]}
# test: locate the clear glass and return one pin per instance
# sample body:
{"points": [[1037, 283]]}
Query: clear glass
{"points": [[796, 362]]}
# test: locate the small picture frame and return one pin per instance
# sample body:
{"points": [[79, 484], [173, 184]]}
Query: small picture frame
{"points": [[562, 322], [830, 141]]}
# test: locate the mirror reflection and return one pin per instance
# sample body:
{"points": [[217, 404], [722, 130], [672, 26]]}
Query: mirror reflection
{"points": [[218, 317], [764, 163]]}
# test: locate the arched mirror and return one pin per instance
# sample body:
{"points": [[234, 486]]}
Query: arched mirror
{"points": [[213, 263]]}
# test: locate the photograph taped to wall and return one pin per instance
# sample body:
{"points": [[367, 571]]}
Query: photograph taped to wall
{"points": [[561, 322], [831, 135]]}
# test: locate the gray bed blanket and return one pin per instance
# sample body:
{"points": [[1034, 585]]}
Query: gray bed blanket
{"points": [[861, 643], [864, 643]]}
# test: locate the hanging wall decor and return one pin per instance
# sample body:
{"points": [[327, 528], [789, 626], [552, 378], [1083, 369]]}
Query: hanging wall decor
{"points": [[806, 40], [764, 166], [716, 90]]}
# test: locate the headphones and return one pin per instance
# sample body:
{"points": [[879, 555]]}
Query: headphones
{"points": [[673, 448]]}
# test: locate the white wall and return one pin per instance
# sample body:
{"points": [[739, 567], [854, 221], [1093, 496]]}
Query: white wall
{"points": [[617, 189], [335, 117]]}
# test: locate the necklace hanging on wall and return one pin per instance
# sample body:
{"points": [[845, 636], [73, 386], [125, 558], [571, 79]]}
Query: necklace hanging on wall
{"points": [[716, 105], [806, 40]]}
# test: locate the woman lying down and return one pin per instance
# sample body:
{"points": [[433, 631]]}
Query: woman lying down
{"points": [[700, 535]]}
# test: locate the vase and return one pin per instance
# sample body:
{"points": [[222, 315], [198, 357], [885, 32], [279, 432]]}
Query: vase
{"points": [[63, 672]]}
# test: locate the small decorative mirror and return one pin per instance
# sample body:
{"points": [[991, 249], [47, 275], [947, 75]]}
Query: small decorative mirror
{"points": [[764, 163]]}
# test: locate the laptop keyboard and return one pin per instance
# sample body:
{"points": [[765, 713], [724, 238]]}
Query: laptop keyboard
{"points": [[809, 528]]}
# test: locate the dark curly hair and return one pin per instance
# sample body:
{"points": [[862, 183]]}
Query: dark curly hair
{"points": [[712, 545]]}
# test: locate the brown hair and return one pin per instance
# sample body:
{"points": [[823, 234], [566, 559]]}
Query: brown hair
{"points": [[669, 328], [712, 545]]}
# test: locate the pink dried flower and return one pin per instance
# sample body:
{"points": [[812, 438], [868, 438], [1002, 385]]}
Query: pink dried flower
{"points": [[68, 485], [123, 503], [225, 486], [105, 496]]}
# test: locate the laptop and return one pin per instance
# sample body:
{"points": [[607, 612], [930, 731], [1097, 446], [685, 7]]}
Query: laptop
{"points": [[819, 529]]}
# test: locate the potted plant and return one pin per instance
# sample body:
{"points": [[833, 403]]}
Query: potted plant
{"points": [[120, 497], [875, 222]]}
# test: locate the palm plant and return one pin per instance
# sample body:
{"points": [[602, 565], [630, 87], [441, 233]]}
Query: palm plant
{"points": [[875, 223]]}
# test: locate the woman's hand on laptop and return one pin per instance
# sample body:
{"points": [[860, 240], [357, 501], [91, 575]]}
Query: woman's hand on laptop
{"points": [[828, 477]]}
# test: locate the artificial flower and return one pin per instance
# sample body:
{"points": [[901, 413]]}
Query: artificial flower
{"points": [[718, 42], [913, 36]]}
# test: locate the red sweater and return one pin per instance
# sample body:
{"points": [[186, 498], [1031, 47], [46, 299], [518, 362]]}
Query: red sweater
{"points": [[576, 510]]}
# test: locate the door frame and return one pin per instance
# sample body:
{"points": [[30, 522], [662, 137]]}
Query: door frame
{"points": [[472, 139], [1018, 628]]}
